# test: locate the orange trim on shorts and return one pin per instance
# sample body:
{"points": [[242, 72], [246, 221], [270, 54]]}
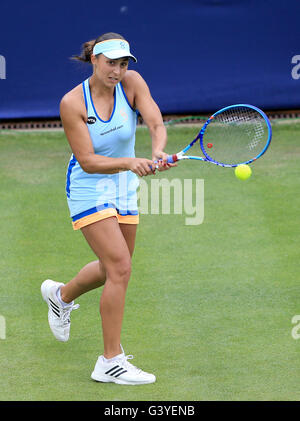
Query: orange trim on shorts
{"points": [[94, 217], [103, 214], [128, 219]]}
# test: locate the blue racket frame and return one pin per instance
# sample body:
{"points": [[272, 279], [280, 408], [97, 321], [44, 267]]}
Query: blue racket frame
{"points": [[181, 155]]}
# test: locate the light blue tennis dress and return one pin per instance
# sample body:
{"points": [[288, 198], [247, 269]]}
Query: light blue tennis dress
{"points": [[92, 197]]}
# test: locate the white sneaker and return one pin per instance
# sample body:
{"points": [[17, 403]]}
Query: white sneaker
{"points": [[58, 315], [120, 371]]}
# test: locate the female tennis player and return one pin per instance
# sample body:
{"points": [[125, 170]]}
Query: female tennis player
{"points": [[99, 119]]}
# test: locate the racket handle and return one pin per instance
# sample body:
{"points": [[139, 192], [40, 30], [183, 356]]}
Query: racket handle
{"points": [[172, 158]]}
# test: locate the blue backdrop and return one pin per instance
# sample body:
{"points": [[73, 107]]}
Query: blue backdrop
{"points": [[196, 55]]}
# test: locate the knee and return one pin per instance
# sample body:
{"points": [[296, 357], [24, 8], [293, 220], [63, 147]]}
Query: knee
{"points": [[120, 271], [123, 270]]}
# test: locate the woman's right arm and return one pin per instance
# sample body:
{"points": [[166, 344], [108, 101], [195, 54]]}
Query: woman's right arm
{"points": [[80, 142]]}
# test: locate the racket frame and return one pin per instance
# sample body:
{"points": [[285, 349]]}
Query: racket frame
{"points": [[181, 155]]}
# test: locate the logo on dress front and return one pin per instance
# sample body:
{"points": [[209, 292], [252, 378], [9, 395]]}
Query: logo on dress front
{"points": [[91, 120], [123, 114]]}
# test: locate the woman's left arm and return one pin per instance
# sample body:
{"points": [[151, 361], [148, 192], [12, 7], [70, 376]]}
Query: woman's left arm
{"points": [[152, 117]]}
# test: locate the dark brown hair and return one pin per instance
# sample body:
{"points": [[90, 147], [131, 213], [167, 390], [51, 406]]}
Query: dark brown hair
{"points": [[87, 47]]}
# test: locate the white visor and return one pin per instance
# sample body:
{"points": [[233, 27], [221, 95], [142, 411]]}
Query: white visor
{"points": [[113, 49]]}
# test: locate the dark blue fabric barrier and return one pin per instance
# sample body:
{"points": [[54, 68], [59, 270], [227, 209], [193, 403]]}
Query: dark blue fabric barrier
{"points": [[196, 56]]}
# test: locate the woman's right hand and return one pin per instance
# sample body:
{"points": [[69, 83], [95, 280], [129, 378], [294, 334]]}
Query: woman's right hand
{"points": [[141, 166]]}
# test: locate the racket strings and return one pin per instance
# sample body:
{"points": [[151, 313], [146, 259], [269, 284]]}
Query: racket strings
{"points": [[255, 128], [235, 135]]}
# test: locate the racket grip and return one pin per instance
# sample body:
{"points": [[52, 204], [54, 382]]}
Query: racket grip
{"points": [[172, 158]]}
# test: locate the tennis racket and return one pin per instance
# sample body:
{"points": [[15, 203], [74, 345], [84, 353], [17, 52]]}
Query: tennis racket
{"points": [[235, 135]]}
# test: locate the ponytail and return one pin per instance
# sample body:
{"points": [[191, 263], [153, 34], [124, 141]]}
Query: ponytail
{"points": [[87, 48], [87, 51]]}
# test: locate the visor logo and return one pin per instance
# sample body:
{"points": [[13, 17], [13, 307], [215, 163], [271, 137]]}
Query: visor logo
{"points": [[123, 45], [91, 120]]}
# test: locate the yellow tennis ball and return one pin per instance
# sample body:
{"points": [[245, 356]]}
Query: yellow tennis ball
{"points": [[243, 171]]}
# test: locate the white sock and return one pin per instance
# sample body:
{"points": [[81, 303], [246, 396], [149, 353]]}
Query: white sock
{"points": [[60, 300], [111, 360]]}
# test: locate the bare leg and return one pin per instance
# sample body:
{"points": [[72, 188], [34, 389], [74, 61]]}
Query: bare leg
{"points": [[129, 233], [91, 276], [107, 240]]}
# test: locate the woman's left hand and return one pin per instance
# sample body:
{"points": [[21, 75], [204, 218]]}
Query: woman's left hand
{"points": [[161, 158]]}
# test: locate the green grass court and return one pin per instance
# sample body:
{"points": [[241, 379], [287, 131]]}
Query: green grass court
{"points": [[209, 307]]}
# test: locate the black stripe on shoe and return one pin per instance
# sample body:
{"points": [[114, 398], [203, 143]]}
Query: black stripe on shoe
{"points": [[122, 372], [53, 304], [54, 310], [116, 371], [116, 366], [113, 373]]}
